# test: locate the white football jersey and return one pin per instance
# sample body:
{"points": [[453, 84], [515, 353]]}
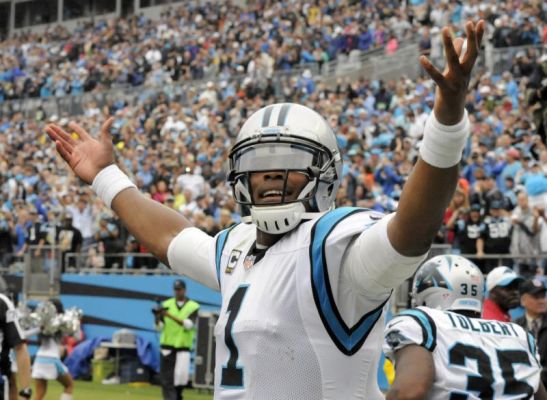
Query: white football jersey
{"points": [[474, 358], [293, 325]]}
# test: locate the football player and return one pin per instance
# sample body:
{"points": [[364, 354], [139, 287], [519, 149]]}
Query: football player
{"points": [[443, 349], [303, 284]]}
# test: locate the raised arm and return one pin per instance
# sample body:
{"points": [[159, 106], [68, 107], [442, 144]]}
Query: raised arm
{"points": [[429, 188], [153, 224]]}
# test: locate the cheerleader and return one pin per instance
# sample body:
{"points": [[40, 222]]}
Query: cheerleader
{"points": [[47, 364]]}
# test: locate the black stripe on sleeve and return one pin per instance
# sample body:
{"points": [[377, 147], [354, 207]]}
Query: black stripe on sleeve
{"points": [[433, 328]]}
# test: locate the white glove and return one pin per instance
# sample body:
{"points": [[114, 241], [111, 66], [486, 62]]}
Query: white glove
{"points": [[188, 324]]}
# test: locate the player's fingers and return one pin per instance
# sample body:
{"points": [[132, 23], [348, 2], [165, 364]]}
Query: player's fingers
{"points": [[478, 33], [469, 58], [61, 133], [65, 154], [105, 130], [433, 72], [479, 28], [58, 134], [452, 59], [79, 130], [458, 44]]}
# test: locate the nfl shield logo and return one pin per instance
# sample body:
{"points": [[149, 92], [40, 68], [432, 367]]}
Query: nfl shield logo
{"points": [[249, 261], [232, 261]]}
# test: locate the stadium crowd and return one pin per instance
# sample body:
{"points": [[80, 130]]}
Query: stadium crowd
{"points": [[221, 40], [176, 149]]}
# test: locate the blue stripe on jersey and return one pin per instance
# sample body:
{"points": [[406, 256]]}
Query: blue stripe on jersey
{"points": [[348, 340], [427, 324], [221, 242], [531, 343]]}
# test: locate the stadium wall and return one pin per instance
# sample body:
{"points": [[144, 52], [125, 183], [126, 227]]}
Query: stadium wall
{"points": [[113, 302]]}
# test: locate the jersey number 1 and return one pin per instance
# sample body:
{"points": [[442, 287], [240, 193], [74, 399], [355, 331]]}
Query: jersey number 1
{"points": [[232, 375], [483, 382]]}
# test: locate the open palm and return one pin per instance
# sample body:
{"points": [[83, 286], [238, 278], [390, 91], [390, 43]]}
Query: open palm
{"points": [[85, 155]]}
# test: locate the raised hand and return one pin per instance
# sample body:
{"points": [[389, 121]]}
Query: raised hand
{"points": [[85, 155], [453, 82]]}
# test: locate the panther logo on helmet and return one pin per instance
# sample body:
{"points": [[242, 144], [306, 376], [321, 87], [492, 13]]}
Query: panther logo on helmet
{"points": [[449, 282]]}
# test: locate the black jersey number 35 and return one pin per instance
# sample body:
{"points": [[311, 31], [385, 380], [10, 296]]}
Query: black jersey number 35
{"points": [[483, 383], [232, 374]]}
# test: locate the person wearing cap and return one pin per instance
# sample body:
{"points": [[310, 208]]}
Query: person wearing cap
{"points": [[495, 236], [503, 294], [176, 319], [532, 298]]}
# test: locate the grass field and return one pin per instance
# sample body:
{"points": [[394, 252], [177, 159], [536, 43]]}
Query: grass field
{"points": [[95, 391]]}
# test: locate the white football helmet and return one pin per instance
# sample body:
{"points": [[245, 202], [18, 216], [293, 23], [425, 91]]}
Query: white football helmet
{"points": [[449, 282], [286, 137]]}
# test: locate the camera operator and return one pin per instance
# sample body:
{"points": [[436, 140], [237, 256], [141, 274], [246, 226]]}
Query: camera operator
{"points": [[175, 317]]}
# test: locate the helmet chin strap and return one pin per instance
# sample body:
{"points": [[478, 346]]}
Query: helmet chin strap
{"points": [[279, 219]]}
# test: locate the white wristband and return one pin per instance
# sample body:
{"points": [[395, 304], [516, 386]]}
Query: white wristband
{"points": [[109, 182], [443, 145]]}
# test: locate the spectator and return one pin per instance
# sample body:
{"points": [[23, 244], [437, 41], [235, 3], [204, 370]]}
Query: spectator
{"points": [[458, 207], [36, 240], [525, 236], [69, 240], [532, 298], [542, 236], [495, 237], [535, 183], [82, 220], [502, 284], [512, 166], [192, 181], [467, 228], [6, 233], [22, 233], [225, 219], [108, 234]]}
